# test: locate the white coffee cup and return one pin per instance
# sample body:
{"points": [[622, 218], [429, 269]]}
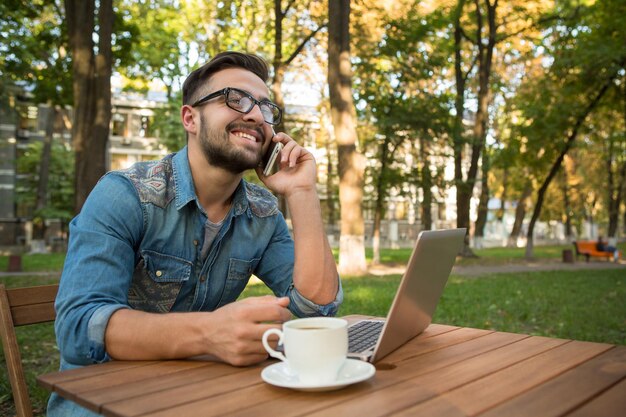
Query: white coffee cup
{"points": [[315, 348]]}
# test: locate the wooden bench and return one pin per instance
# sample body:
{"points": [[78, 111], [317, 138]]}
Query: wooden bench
{"points": [[587, 248], [19, 307]]}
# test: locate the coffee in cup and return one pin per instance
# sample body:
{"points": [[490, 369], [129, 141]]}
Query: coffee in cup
{"points": [[315, 348]]}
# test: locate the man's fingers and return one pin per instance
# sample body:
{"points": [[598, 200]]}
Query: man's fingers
{"points": [[266, 309]]}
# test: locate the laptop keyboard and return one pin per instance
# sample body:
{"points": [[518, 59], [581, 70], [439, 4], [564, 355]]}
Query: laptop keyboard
{"points": [[363, 335]]}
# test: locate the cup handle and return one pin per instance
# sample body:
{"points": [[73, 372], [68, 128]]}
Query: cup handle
{"points": [[268, 348]]}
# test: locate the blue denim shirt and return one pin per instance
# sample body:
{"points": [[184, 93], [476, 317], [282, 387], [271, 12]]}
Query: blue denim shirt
{"points": [[136, 244]]}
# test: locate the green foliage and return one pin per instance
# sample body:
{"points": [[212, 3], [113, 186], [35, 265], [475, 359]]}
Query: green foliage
{"points": [[60, 201], [400, 110], [154, 29], [578, 56], [168, 126], [33, 49]]}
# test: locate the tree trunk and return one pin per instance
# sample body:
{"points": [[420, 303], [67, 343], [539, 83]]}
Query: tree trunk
{"points": [[330, 172], [278, 64], [520, 213], [485, 59], [376, 236], [380, 200], [616, 191], [615, 188], [567, 208], [557, 164], [503, 195], [91, 74], [427, 183], [462, 194], [39, 221], [483, 205], [351, 163]]}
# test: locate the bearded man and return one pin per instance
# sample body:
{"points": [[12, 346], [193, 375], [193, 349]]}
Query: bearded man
{"points": [[161, 251]]}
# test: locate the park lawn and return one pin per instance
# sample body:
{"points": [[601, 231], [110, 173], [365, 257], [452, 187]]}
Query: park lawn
{"points": [[50, 262], [582, 305]]}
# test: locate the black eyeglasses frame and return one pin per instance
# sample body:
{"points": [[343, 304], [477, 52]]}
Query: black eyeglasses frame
{"points": [[225, 91]]}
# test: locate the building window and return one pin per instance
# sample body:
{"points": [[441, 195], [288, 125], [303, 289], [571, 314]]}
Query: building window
{"points": [[119, 127]]}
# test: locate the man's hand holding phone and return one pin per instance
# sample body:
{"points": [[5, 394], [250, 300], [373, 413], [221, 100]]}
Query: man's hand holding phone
{"points": [[287, 166]]}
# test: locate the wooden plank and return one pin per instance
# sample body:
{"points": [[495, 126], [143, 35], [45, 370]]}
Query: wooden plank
{"points": [[97, 399], [75, 389], [297, 403], [32, 295], [125, 384], [569, 390], [494, 388], [436, 329], [421, 345], [611, 402], [51, 380], [398, 397], [231, 379], [33, 313], [223, 404]]}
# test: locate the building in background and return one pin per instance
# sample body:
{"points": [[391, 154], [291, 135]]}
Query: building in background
{"points": [[22, 123]]}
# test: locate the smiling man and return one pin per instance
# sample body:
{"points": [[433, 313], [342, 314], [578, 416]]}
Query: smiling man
{"points": [[161, 251]]}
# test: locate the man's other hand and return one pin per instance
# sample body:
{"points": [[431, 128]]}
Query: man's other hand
{"points": [[234, 331]]}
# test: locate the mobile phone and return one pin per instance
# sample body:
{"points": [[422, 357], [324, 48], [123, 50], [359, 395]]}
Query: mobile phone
{"points": [[270, 157]]}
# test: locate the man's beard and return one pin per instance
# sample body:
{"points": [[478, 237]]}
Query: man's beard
{"points": [[220, 152]]}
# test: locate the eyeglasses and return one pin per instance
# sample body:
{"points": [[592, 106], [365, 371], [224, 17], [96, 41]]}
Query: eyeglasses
{"points": [[243, 102]]}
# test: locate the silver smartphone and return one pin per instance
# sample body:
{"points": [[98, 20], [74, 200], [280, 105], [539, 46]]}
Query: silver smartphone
{"points": [[270, 157]]}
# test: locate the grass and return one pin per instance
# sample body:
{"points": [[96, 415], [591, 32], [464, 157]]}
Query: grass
{"points": [[51, 262], [582, 305]]}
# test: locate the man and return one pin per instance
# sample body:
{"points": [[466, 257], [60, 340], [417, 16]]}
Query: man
{"points": [[602, 246], [183, 235]]}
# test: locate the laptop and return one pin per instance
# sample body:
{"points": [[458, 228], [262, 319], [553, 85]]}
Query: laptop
{"points": [[415, 300]]}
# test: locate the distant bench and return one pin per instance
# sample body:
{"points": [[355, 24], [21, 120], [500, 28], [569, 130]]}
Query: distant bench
{"points": [[587, 248]]}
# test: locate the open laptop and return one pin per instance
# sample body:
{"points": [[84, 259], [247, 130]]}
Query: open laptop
{"points": [[416, 298]]}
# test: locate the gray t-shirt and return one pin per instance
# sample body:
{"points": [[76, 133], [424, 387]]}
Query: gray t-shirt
{"points": [[210, 232]]}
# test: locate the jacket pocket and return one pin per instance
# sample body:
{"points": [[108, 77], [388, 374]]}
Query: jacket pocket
{"points": [[239, 272], [157, 280]]}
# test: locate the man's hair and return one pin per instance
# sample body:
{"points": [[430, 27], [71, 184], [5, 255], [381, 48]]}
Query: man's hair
{"points": [[222, 61]]}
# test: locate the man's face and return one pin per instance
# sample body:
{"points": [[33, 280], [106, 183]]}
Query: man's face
{"points": [[229, 139]]}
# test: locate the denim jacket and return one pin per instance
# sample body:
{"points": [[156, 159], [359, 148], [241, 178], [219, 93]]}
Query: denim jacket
{"points": [[136, 244]]}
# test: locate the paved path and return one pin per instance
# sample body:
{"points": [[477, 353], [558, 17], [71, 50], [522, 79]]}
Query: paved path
{"points": [[531, 266]]}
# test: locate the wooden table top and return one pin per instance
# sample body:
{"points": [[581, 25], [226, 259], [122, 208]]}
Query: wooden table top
{"points": [[446, 371]]}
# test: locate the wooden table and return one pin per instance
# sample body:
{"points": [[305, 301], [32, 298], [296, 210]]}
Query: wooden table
{"points": [[446, 371]]}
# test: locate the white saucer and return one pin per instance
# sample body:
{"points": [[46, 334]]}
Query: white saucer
{"points": [[353, 371]]}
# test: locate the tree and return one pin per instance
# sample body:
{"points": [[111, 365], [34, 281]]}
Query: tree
{"points": [[156, 29], [35, 57], [60, 192], [286, 52], [404, 115], [351, 163], [587, 64], [91, 70]]}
